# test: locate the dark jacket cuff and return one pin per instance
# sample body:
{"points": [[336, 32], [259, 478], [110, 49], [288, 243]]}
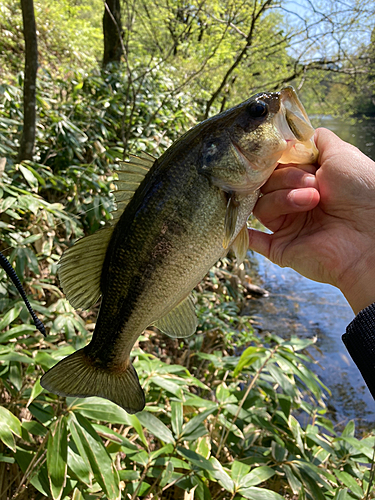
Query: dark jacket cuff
{"points": [[359, 340]]}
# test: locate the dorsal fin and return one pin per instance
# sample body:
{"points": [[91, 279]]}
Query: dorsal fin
{"points": [[80, 267], [130, 175]]}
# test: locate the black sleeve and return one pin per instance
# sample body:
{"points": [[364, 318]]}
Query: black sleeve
{"points": [[359, 340]]}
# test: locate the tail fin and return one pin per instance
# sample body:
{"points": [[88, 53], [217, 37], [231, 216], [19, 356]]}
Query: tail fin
{"points": [[77, 376]]}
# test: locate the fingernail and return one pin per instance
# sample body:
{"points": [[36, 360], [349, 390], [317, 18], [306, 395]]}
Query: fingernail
{"points": [[301, 197], [309, 181]]}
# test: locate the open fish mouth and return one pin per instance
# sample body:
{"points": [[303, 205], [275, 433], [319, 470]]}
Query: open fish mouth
{"points": [[295, 127]]}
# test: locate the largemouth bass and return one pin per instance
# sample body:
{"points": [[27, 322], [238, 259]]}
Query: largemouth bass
{"points": [[176, 216]]}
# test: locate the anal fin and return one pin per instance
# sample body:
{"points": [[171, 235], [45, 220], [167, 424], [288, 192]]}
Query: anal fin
{"points": [[77, 376], [181, 322]]}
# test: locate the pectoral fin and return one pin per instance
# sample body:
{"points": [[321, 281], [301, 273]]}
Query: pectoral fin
{"points": [[181, 322], [230, 219], [240, 245]]}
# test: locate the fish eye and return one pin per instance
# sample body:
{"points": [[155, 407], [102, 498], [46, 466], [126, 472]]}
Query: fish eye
{"points": [[258, 109]]}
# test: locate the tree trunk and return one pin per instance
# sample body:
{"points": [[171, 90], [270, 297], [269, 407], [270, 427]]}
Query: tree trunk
{"points": [[29, 86], [112, 31]]}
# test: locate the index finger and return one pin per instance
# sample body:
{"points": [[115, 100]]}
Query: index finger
{"points": [[291, 177]]}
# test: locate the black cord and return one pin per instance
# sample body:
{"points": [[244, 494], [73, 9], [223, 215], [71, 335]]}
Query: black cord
{"points": [[5, 264]]}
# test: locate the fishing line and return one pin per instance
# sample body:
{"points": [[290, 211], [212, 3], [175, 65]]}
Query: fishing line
{"points": [[5, 264]]}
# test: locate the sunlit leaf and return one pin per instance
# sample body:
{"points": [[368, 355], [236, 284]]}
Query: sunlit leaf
{"points": [[6, 436], [256, 476], [254, 493], [10, 420], [91, 448], [57, 455], [155, 426], [10, 316], [176, 417], [191, 426], [221, 475], [350, 482], [239, 471]]}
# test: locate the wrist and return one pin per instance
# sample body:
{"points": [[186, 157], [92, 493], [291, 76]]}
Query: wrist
{"points": [[359, 285]]}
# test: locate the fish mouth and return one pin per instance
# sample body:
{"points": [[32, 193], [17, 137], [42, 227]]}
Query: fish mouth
{"points": [[295, 127]]}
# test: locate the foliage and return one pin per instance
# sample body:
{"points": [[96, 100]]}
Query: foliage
{"points": [[229, 415], [227, 427], [69, 35]]}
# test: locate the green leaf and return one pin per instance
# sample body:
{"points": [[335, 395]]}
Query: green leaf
{"points": [[195, 459], [349, 430], [223, 394], [155, 426], [293, 481], [260, 494], [248, 357], [40, 478], [30, 177], [310, 479], [10, 316], [133, 419], [167, 474], [77, 495], [279, 453], [15, 332], [204, 446], [356, 444], [99, 409], [168, 385], [57, 456], [297, 432], [164, 450], [190, 427], [341, 495], [221, 475], [350, 482], [34, 427], [79, 466], [279, 376], [177, 417], [44, 413], [92, 450], [232, 427], [7, 437], [128, 475], [11, 421], [257, 476], [239, 471], [36, 390]]}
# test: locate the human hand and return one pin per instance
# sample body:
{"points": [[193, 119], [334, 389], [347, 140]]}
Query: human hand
{"points": [[323, 219]]}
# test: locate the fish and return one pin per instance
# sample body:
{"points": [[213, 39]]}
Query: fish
{"points": [[176, 217]]}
